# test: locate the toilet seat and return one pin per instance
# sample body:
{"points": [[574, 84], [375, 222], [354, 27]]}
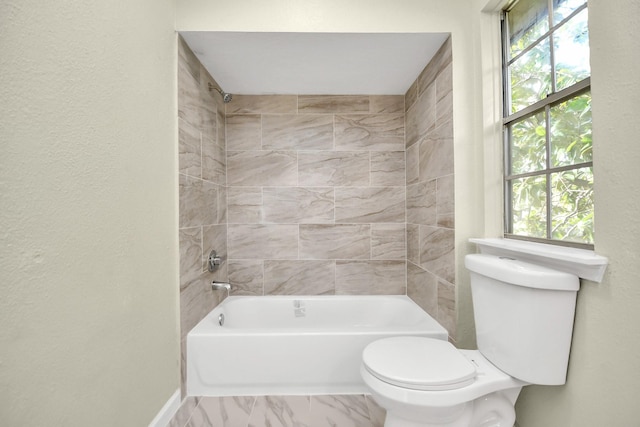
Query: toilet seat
{"points": [[418, 363]]}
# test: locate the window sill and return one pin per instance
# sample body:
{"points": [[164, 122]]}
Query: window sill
{"points": [[581, 262]]}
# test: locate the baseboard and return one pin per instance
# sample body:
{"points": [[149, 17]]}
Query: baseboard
{"points": [[168, 411]]}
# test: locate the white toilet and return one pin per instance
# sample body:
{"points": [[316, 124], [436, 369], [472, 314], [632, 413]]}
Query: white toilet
{"points": [[524, 322]]}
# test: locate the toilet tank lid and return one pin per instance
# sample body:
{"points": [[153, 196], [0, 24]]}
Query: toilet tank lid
{"points": [[521, 273]]}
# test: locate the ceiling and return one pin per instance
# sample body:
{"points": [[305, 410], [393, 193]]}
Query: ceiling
{"points": [[314, 63]]}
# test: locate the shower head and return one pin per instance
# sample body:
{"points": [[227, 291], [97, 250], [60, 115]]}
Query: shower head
{"points": [[226, 97]]}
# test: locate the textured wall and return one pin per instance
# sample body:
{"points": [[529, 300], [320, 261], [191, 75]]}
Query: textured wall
{"points": [[202, 177], [88, 258], [316, 194], [604, 369], [430, 190]]}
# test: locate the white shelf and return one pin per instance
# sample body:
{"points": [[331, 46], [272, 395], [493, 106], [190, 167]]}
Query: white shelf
{"points": [[581, 262]]}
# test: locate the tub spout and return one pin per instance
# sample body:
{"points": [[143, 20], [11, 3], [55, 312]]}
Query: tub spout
{"points": [[216, 286]]}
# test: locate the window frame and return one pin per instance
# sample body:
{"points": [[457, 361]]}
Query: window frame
{"points": [[542, 106]]}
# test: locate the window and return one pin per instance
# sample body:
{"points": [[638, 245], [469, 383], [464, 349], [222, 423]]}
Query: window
{"points": [[547, 122]]}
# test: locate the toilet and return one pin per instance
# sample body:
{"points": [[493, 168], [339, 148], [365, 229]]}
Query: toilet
{"points": [[524, 321]]}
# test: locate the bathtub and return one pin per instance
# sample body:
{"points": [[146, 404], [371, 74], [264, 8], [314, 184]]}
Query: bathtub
{"points": [[295, 345]]}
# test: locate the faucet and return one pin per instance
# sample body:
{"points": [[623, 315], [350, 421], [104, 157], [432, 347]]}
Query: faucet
{"points": [[216, 286]]}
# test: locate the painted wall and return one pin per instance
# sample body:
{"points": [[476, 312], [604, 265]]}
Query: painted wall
{"points": [[604, 370], [88, 200]]}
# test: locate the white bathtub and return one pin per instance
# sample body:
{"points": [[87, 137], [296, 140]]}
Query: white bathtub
{"points": [[292, 345]]}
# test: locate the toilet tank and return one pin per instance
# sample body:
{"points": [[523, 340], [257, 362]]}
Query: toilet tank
{"points": [[524, 316]]}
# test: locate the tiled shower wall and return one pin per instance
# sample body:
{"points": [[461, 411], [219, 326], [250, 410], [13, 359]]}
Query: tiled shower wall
{"points": [[316, 195], [320, 198], [430, 190], [202, 213]]}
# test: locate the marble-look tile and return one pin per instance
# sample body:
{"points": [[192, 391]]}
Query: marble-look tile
{"points": [[444, 82], [189, 100], [413, 243], [214, 237], [299, 205], [196, 301], [421, 203], [413, 164], [214, 161], [297, 132], [388, 241], [198, 203], [447, 307], [188, 59], [437, 252], [377, 413], [221, 139], [446, 201], [246, 276], [222, 412], [190, 254], [189, 149], [421, 117], [370, 204], [299, 277], [374, 132], [370, 277], [244, 205], [422, 287], [333, 104], [444, 109], [254, 241], [411, 95], [318, 168], [440, 60], [183, 414], [257, 168], [340, 241], [244, 132], [387, 168], [209, 119], [436, 158], [339, 410], [281, 411], [222, 204], [262, 104], [388, 104]]}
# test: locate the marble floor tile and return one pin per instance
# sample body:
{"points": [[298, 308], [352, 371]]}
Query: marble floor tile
{"points": [[339, 411], [222, 412], [281, 411]]}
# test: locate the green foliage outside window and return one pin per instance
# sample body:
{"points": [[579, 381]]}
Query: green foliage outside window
{"points": [[549, 162]]}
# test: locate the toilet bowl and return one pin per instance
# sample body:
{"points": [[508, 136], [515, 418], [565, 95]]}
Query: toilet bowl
{"points": [[524, 320], [424, 382]]}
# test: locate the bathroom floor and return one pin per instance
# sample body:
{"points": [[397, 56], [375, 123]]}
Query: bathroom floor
{"points": [[280, 411]]}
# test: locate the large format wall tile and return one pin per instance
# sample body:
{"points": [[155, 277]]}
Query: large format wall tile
{"points": [[297, 132], [340, 241], [246, 276], [388, 104], [189, 149], [388, 241], [375, 132], [299, 205], [370, 204], [370, 277], [387, 168], [436, 251], [244, 205], [262, 104], [244, 132], [421, 203], [299, 277], [254, 241], [333, 168], [255, 168], [333, 104]]}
